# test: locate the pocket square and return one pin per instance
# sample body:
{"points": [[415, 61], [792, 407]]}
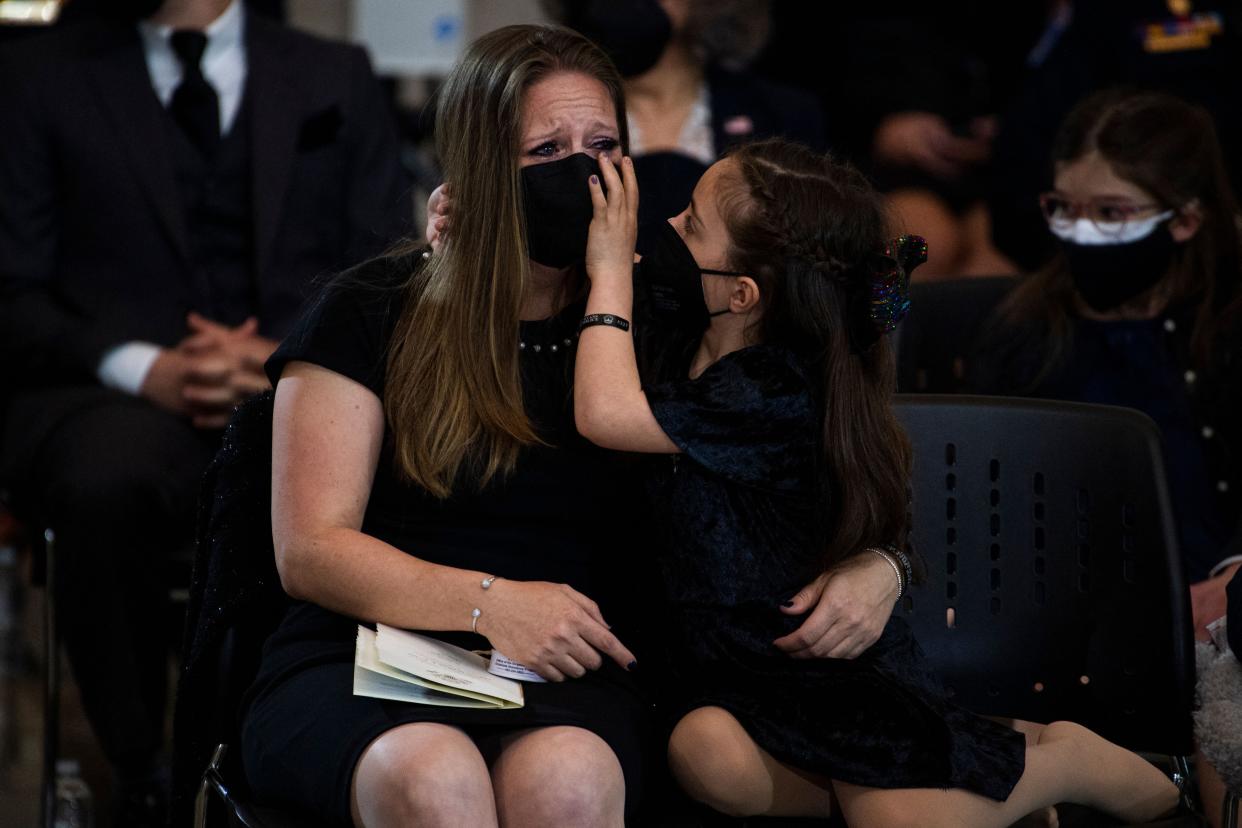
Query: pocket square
{"points": [[320, 129]]}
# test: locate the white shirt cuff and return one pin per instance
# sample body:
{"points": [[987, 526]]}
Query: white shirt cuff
{"points": [[125, 367], [1227, 562]]}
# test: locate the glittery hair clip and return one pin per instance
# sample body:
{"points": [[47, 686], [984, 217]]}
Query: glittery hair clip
{"points": [[890, 281], [887, 292]]}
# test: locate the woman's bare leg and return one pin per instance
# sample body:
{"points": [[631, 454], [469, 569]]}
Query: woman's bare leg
{"points": [[422, 774], [558, 776], [718, 764]]}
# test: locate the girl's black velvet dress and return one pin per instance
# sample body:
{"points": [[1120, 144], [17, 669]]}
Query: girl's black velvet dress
{"points": [[303, 731], [734, 516]]}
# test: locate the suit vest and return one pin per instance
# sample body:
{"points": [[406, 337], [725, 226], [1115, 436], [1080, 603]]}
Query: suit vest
{"points": [[217, 199]]}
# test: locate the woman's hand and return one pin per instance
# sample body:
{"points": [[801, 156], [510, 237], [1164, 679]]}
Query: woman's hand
{"points": [[551, 628], [614, 227], [925, 141], [439, 210], [849, 604]]}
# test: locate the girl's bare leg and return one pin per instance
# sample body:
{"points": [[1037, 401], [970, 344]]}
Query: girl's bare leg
{"points": [[1068, 763], [718, 764]]}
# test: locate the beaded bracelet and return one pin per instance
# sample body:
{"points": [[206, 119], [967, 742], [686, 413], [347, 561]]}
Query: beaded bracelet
{"points": [[612, 320], [903, 559], [901, 584]]}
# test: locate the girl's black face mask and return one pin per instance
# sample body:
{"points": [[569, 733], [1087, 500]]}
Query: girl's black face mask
{"points": [[558, 209], [672, 280], [1109, 275]]}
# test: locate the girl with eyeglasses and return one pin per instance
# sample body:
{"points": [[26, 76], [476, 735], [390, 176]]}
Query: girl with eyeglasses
{"points": [[1141, 308]]}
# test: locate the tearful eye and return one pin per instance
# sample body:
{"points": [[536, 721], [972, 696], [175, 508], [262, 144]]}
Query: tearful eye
{"points": [[544, 150], [606, 144]]}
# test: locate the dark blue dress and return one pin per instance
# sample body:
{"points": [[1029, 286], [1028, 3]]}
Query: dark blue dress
{"points": [[735, 515]]}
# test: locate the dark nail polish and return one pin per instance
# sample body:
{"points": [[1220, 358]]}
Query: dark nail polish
{"points": [[632, 666], [788, 603], [595, 179]]}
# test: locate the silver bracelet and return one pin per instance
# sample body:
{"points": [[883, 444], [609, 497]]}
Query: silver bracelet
{"points": [[901, 582], [486, 583]]}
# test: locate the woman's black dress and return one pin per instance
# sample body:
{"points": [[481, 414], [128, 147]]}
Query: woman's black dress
{"points": [[303, 730], [734, 514]]}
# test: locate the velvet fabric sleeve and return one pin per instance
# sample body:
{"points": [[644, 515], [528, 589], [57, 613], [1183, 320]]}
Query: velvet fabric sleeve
{"points": [[748, 418]]}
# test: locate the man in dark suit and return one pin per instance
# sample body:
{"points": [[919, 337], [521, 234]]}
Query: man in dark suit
{"points": [[169, 188]]}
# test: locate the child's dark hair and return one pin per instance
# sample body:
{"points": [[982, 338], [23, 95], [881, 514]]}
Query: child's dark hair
{"points": [[807, 230]]}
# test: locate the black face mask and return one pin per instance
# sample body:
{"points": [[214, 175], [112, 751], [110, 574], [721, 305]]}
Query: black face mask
{"points": [[559, 209], [1109, 275], [670, 275], [634, 33]]}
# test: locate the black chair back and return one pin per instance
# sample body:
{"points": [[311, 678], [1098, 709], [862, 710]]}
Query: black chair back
{"points": [[937, 337], [235, 603], [1054, 588]]}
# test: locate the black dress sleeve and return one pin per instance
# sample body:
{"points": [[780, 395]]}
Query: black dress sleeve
{"points": [[748, 418], [347, 327]]}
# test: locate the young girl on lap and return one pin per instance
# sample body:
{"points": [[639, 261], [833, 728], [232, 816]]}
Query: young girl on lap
{"points": [[780, 443]]}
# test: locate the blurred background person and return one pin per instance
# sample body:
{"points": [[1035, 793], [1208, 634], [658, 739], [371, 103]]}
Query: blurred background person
{"points": [[688, 94], [172, 178], [912, 92], [1190, 48], [1140, 308]]}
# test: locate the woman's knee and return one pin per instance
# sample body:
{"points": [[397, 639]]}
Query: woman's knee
{"points": [[425, 774], [717, 763], [559, 776]]}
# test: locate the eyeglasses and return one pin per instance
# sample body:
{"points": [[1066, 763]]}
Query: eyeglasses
{"points": [[1108, 215]]}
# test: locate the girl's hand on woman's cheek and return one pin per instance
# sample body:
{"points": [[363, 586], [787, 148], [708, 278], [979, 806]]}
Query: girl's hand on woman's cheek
{"points": [[614, 226], [439, 209]]}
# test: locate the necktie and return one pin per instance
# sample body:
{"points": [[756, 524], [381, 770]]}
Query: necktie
{"points": [[195, 106]]}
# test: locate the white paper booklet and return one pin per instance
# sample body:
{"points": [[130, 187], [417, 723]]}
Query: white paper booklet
{"points": [[403, 666]]}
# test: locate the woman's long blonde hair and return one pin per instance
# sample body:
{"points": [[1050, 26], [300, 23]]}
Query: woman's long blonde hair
{"points": [[453, 391]]}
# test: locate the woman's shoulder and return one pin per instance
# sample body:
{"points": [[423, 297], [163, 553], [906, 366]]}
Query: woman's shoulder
{"points": [[349, 323], [377, 280]]}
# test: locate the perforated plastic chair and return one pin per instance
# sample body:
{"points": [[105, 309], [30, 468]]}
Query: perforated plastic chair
{"points": [[1054, 585]]}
